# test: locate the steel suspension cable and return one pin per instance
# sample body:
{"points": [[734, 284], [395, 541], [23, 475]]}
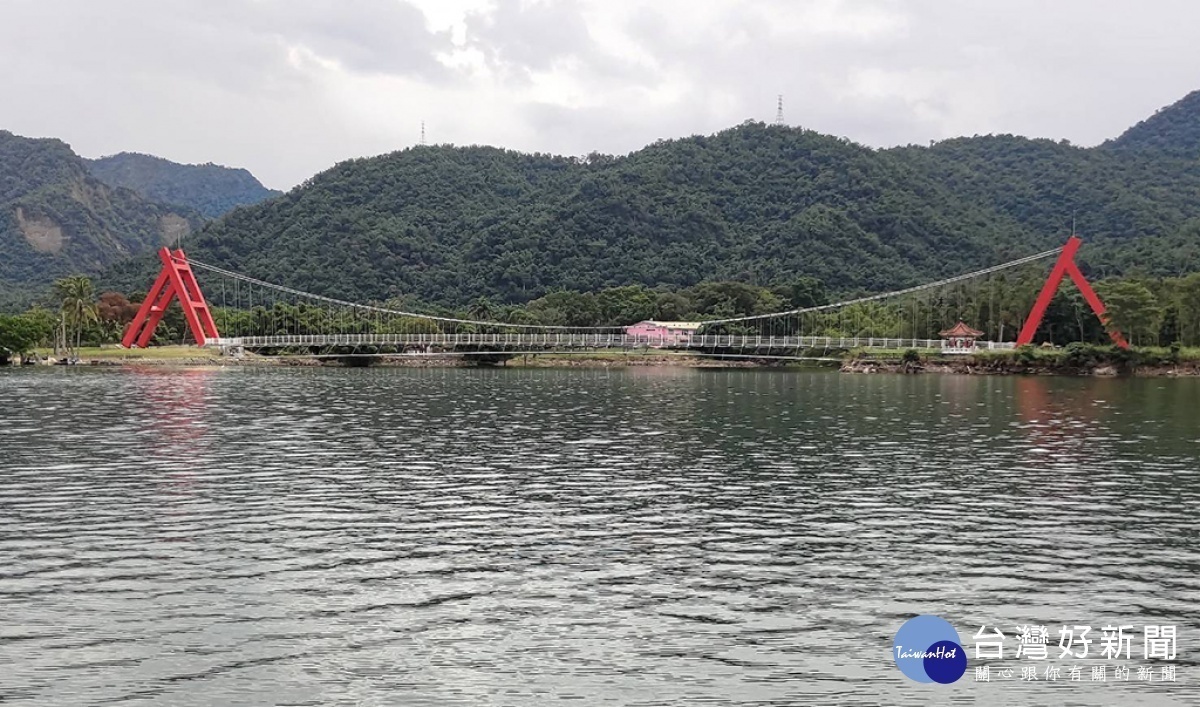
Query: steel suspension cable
{"points": [[355, 307], [894, 293]]}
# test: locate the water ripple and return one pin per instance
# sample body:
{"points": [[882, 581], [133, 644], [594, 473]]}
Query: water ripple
{"points": [[523, 537]]}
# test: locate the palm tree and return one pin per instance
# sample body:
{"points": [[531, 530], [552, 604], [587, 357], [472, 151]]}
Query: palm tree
{"points": [[482, 309], [78, 305]]}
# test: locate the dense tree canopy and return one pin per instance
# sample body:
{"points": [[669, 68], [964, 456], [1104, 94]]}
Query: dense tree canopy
{"points": [[767, 206], [763, 205], [19, 334], [1172, 131]]}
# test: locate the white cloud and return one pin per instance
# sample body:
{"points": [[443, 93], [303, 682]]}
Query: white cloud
{"points": [[287, 88]]}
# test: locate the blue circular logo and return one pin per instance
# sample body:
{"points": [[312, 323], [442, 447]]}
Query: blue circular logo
{"points": [[927, 649]]}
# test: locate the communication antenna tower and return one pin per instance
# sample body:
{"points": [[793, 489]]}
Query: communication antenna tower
{"points": [[422, 132], [779, 111]]}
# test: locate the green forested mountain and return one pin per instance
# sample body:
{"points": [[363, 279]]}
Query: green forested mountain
{"points": [[55, 218], [760, 204], [208, 188], [765, 205], [755, 203], [1138, 212], [1172, 131]]}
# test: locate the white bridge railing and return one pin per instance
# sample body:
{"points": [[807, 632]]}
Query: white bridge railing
{"points": [[539, 341]]}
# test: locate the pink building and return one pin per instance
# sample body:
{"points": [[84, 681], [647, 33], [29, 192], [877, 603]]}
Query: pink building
{"points": [[657, 334]]}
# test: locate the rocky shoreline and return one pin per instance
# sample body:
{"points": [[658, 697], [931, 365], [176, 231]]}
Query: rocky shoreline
{"points": [[994, 367]]}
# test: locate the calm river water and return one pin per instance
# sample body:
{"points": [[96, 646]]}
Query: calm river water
{"points": [[594, 537]]}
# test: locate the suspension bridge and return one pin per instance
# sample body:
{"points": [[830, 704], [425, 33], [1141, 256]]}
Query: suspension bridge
{"points": [[263, 317]]}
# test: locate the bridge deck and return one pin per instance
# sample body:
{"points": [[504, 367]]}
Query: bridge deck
{"points": [[552, 341]]}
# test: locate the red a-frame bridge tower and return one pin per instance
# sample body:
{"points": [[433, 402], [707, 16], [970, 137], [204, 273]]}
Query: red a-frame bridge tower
{"points": [[175, 280], [1063, 267]]}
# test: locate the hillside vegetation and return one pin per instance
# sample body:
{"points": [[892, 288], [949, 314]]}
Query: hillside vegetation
{"points": [[55, 218], [208, 188], [763, 205], [1173, 131], [756, 203], [759, 204]]}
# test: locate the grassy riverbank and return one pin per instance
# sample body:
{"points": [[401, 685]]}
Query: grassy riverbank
{"points": [[1073, 359], [157, 353]]}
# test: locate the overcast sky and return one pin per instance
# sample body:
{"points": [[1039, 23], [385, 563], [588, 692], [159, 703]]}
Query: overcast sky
{"points": [[287, 88]]}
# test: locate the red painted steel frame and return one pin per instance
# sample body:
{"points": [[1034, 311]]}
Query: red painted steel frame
{"points": [[175, 280], [1066, 266]]}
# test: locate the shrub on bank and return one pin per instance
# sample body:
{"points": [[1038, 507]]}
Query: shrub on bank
{"points": [[1080, 355], [890, 355], [1077, 356]]}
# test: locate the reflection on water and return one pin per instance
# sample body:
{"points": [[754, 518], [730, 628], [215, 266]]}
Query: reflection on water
{"points": [[520, 537]]}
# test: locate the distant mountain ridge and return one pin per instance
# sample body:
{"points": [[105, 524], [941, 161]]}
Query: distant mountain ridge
{"points": [[57, 219], [1172, 131], [211, 189]]}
